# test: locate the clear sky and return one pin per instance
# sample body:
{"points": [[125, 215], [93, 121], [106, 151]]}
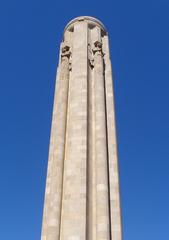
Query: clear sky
{"points": [[29, 45]]}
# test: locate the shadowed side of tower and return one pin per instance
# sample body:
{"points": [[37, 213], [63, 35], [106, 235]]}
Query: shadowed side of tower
{"points": [[82, 187]]}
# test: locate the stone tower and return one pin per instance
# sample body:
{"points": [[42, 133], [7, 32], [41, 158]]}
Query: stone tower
{"points": [[82, 189]]}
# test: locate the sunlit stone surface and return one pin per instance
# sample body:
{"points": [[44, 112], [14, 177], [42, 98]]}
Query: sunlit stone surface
{"points": [[82, 188]]}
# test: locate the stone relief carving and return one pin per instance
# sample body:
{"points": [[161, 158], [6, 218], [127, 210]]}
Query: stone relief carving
{"points": [[90, 56], [92, 51], [97, 48], [66, 53]]}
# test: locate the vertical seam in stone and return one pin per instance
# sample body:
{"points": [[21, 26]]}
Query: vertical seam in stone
{"points": [[86, 115], [108, 174], [94, 158], [65, 143], [87, 159]]}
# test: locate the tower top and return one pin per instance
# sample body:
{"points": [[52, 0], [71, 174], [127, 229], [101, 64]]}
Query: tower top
{"points": [[90, 20]]}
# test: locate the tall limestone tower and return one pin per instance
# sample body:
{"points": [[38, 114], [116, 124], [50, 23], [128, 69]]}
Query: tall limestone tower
{"points": [[82, 188]]}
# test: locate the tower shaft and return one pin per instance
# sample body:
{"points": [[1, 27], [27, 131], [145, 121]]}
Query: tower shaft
{"points": [[82, 188]]}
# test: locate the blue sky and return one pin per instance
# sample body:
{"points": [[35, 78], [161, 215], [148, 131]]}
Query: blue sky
{"points": [[139, 39]]}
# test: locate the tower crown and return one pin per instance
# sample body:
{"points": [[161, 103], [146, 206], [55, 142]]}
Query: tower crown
{"points": [[90, 20]]}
